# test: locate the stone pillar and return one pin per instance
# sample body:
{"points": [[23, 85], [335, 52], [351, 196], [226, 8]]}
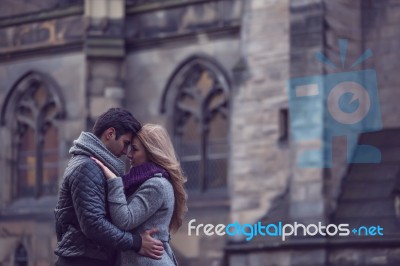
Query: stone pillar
{"points": [[7, 163], [307, 199], [340, 25], [259, 164], [105, 51]]}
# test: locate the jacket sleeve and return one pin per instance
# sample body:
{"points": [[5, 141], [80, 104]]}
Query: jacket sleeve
{"points": [[89, 200], [145, 203]]}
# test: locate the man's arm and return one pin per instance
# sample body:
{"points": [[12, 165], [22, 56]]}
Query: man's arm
{"points": [[89, 199]]}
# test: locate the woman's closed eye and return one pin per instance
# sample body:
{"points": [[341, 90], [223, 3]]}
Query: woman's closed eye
{"points": [[132, 148]]}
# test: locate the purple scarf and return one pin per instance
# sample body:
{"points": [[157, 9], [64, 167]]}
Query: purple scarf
{"points": [[139, 174]]}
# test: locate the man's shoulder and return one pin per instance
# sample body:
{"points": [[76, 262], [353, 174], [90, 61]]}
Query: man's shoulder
{"points": [[84, 167], [78, 161]]}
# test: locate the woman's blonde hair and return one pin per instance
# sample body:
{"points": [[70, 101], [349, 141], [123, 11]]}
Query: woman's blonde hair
{"points": [[160, 151]]}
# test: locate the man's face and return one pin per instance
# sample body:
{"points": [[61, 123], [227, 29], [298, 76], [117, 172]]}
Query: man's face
{"points": [[119, 146]]}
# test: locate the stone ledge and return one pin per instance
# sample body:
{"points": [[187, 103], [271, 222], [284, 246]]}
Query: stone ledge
{"points": [[40, 16]]}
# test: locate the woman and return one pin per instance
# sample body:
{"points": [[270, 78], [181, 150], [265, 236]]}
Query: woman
{"points": [[154, 189]]}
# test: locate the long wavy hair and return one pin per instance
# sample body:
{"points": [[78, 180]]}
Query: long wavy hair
{"points": [[160, 151]]}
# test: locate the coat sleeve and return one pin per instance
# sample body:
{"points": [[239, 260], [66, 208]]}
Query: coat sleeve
{"points": [[147, 200], [89, 200]]}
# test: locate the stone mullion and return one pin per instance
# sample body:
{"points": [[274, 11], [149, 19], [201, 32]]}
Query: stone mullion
{"points": [[39, 141], [203, 153]]}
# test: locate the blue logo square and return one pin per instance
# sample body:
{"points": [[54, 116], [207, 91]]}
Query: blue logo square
{"points": [[340, 104]]}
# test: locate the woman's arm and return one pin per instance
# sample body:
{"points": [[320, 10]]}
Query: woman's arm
{"points": [[146, 202]]}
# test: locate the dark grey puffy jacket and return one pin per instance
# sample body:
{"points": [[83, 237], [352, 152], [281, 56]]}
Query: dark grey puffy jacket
{"points": [[83, 225]]}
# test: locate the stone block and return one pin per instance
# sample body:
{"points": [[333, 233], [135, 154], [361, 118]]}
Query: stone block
{"points": [[115, 93], [298, 192], [105, 69], [314, 190], [307, 175], [96, 86], [275, 258], [116, 9], [302, 4], [238, 260], [265, 4], [69, 130], [99, 105], [245, 202], [308, 257], [305, 209]]}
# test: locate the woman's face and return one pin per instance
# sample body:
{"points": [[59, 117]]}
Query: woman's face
{"points": [[137, 154]]}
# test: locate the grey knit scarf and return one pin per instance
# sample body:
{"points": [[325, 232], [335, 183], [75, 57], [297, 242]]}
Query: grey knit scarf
{"points": [[90, 145]]}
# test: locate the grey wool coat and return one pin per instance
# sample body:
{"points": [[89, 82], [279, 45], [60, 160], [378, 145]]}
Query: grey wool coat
{"points": [[151, 206]]}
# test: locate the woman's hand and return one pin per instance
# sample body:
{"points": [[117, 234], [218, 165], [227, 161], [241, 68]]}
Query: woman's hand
{"points": [[107, 172]]}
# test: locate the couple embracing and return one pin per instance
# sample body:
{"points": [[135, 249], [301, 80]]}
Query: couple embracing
{"points": [[105, 216]]}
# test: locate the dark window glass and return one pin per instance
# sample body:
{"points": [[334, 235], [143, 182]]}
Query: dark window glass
{"points": [[37, 170], [26, 164], [50, 162], [21, 256]]}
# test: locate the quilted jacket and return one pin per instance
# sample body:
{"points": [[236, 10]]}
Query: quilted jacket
{"points": [[83, 225]]}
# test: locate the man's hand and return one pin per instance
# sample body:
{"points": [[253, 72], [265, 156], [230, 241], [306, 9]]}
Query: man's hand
{"points": [[151, 247]]}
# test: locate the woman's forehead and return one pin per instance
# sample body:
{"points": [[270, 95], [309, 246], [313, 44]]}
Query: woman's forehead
{"points": [[136, 141]]}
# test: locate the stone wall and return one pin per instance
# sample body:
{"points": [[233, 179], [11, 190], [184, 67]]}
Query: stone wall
{"points": [[152, 21], [306, 32], [148, 72], [379, 20], [165, 40], [10, 8], [30, 221], [259, 163], [366, 25], [147, 75], [371, 27]]}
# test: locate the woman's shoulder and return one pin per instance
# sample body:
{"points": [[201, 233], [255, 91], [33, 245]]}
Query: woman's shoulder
{"points": [[157, 187], [158, 181]]}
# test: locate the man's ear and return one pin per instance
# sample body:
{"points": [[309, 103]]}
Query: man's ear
{"points": [[109, 133]]}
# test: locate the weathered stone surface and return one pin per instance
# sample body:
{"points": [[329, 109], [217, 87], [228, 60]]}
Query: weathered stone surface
{"points": [[183, 19], [276, 41], [18, 7], [50, 33]]}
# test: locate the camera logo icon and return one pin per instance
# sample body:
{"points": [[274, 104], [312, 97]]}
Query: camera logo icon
{"points": [[358, 94], [339, 104]]}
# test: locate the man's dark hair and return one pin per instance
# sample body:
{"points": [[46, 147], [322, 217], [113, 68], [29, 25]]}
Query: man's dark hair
{"points": [[120, 119]]}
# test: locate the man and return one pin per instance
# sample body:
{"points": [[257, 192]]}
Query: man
{"points": [[84, 232]]}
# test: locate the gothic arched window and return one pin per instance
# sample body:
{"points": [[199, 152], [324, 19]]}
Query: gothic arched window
{"points": [[200, 93], [32, 111]]}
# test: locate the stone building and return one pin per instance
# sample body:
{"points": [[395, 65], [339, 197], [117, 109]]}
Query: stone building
{"points": [[214, 73]]}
